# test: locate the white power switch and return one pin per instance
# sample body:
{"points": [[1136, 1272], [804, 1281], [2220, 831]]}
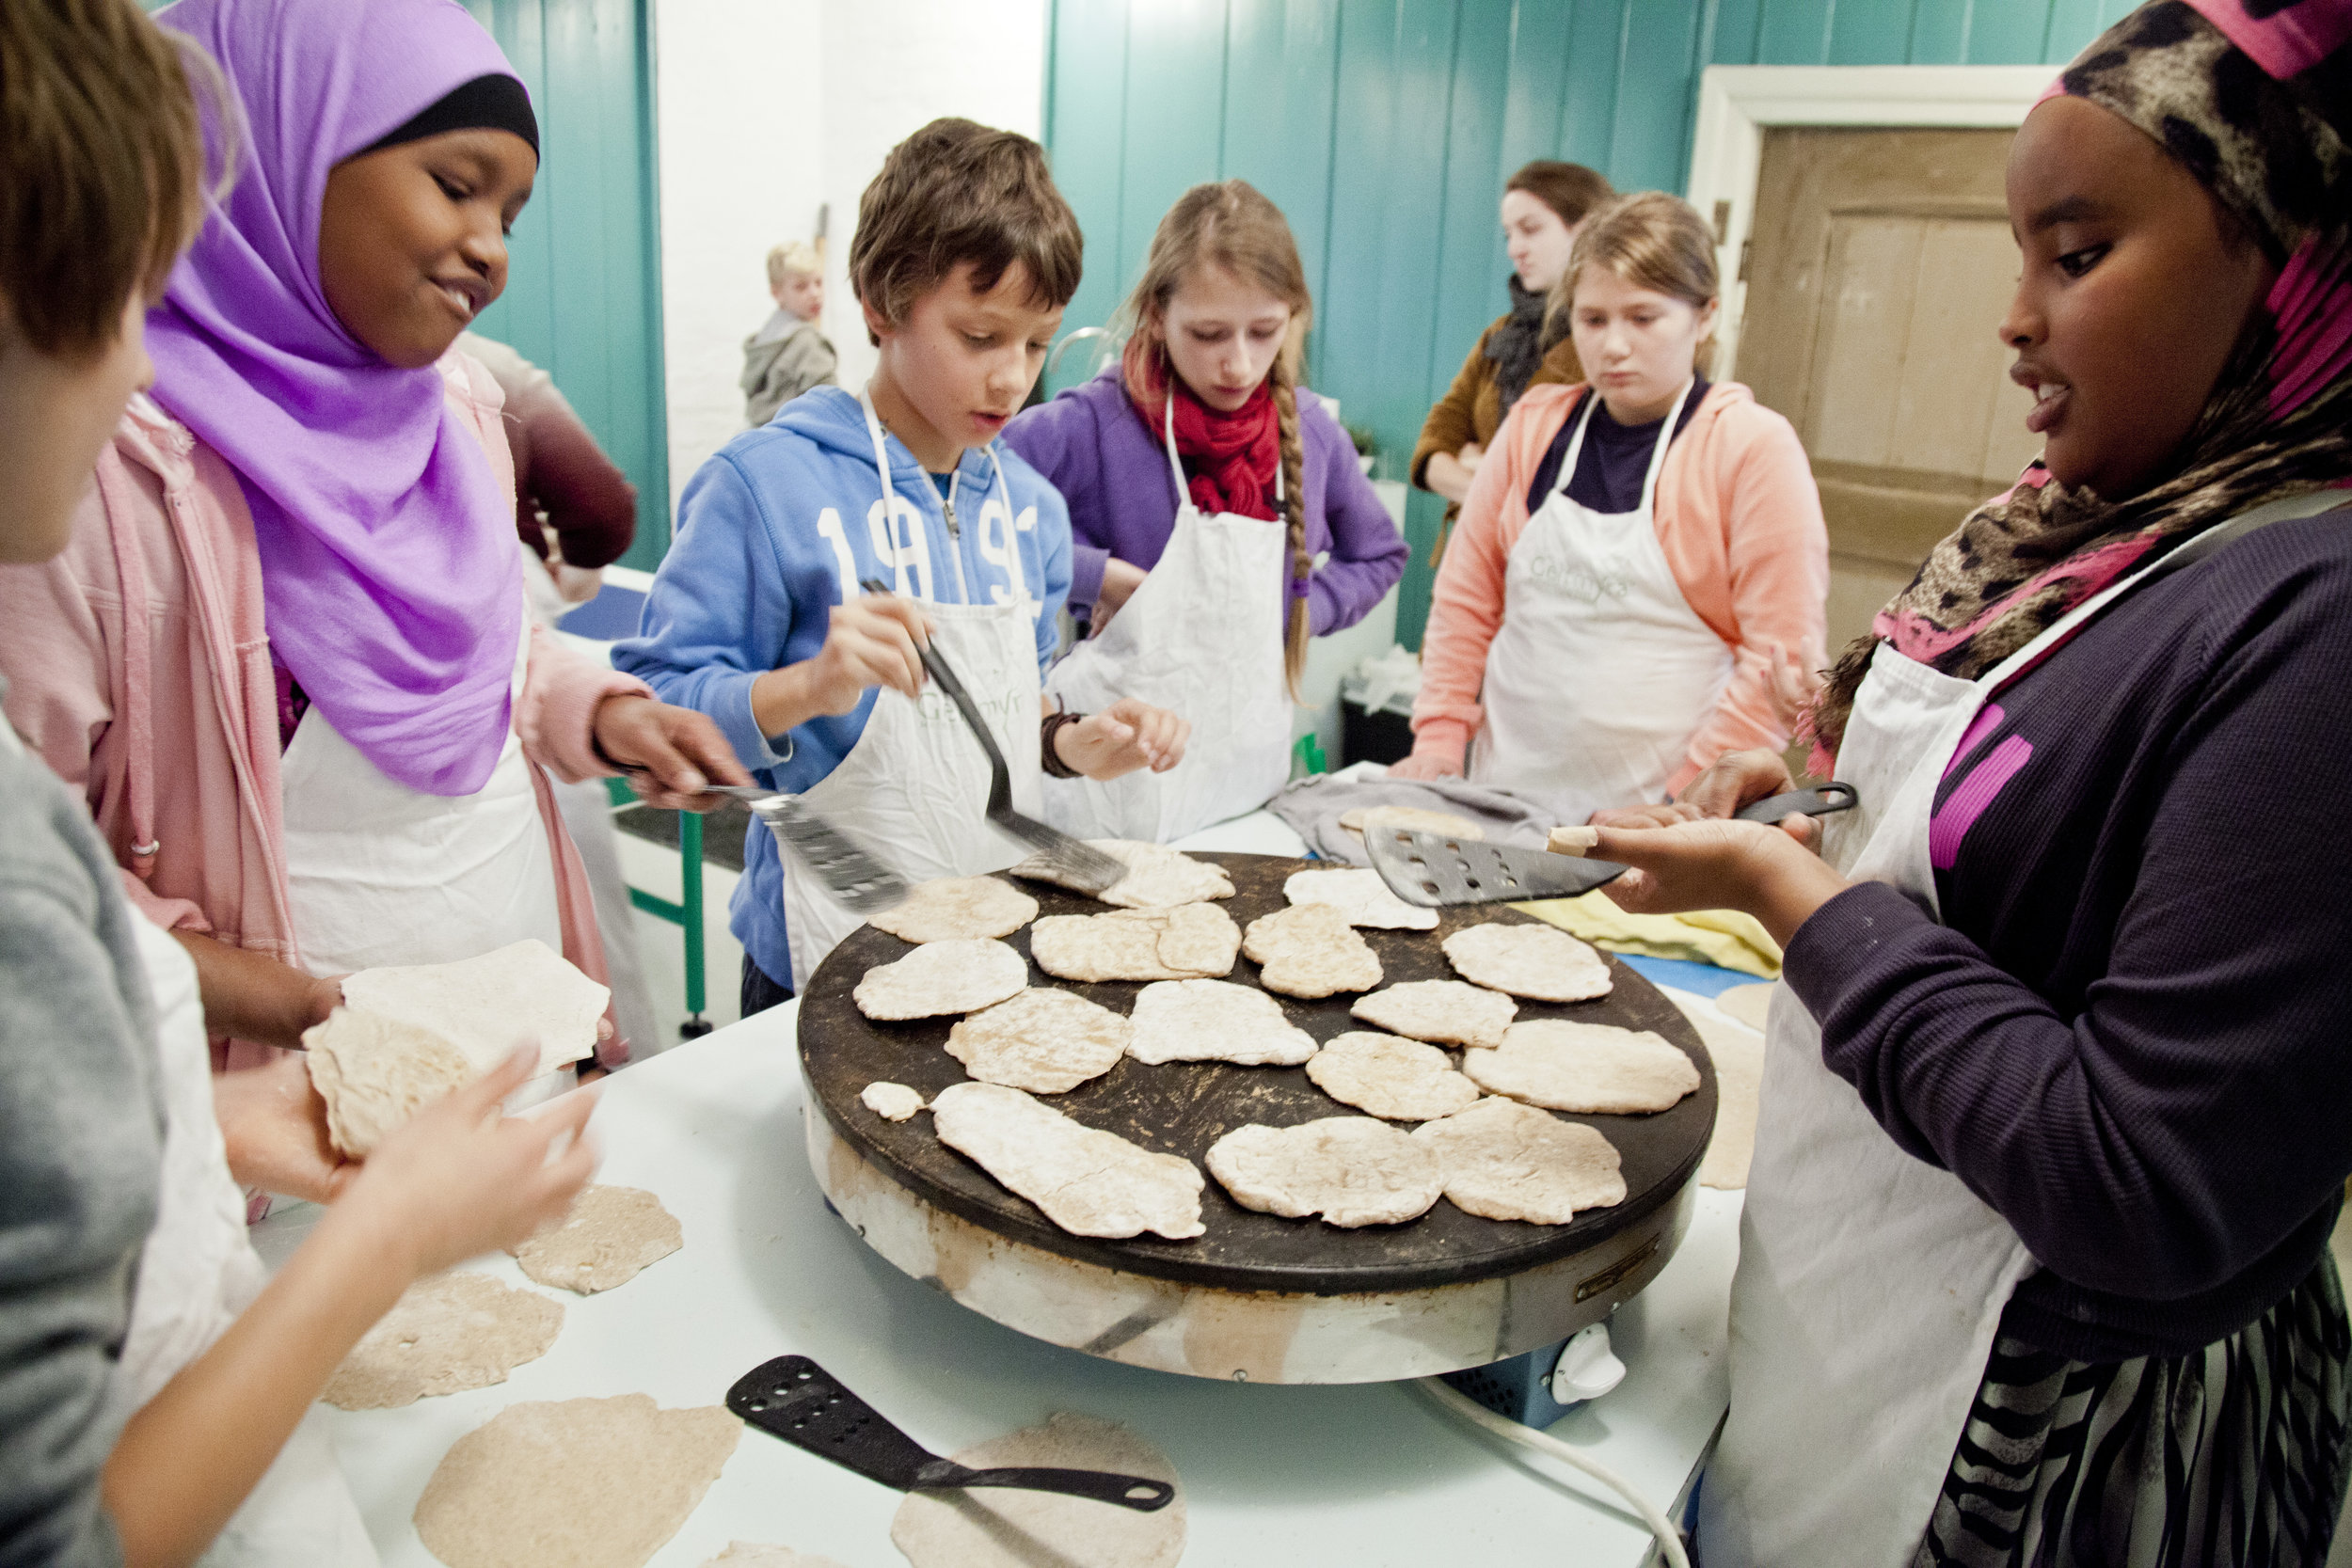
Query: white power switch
{"points": [[1586, 1369]]}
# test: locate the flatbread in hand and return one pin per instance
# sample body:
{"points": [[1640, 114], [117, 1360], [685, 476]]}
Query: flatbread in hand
{"points": [[374, 1073], [489, 1005], [1360, 895], [1003, 1527], [1594, 1068], [1506, 1160], [1738, 1054], [573, 1483], [1393, 1079], [610, 1235], [449, 1333], [1412, 817], [961, 974], [1310, 950], [1542, 964], [1089, 1182], [1192, 941], [948, 907], [1214, 1020], [1044, 1041], [1158, 878], [1443, 1012], [1352, 1170]]}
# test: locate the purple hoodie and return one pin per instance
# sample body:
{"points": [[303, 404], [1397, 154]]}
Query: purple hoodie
{"points": [[1093, 447]]}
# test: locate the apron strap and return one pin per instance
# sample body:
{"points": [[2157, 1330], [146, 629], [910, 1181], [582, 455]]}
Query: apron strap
{"points": [[889, 493], [1012, 531], [1665, 439]]}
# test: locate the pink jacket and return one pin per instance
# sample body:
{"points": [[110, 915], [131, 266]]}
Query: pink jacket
{"points": [[171, 731], [1737, 517]]}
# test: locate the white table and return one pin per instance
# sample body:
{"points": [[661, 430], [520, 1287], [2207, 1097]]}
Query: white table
{"points": [[1361, 1476]]}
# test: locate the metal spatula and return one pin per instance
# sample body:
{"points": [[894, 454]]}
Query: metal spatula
{"points": [[1081, 864], [1440, 870], [863, 884], [795, 1398]]}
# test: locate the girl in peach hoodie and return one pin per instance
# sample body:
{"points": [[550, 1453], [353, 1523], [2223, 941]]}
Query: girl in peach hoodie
{"points": [[1636, 584]]}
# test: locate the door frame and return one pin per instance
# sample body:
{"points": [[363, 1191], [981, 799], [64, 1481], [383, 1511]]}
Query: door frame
{"points": [[1738, 102]]}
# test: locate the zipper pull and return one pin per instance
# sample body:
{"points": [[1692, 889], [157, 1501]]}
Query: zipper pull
{"points": [[948, 501]]}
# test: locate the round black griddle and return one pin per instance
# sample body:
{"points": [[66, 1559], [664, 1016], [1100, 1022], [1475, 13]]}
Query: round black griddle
{"points": [[1183, 1107]]}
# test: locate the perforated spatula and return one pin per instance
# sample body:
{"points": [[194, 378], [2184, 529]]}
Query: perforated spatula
{"points": [[1081, 864], [1441, 870], [795, 1398]]}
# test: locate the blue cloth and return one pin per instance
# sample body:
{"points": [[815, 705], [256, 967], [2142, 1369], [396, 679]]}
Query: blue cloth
{"points": [[777, 529], [1709, 980]]}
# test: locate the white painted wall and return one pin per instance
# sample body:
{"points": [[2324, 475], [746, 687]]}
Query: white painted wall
{"points": [[764, 110]]}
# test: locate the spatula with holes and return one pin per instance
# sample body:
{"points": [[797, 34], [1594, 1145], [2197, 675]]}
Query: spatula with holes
{"points": [[795, 1398], [1080, 864], [1440, 870]]}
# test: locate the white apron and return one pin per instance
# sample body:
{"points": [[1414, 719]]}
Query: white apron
{"points": [[914, 788], [197, 1273], [1600, 671], [1871, 1284], [1202, 637]]}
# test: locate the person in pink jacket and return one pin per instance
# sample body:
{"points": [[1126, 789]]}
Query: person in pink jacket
{"points": [[1636, 584], [323, 734]]}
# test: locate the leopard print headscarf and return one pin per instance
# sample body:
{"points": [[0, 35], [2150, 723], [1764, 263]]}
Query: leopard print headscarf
{"points": [[2254, 98]]}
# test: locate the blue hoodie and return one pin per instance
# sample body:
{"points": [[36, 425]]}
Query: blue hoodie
{"points": [[777, 529]]}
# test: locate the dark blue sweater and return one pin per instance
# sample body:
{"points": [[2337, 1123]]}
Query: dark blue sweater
{"points": [[2132, 1033]]}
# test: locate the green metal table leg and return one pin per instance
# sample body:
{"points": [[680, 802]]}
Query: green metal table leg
{"points": [[690, 844]]}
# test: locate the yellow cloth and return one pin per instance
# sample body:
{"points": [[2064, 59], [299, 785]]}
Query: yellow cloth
{"points": [[1729, 938]]}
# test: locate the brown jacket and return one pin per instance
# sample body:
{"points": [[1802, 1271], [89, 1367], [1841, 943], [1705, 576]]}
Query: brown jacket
{"points": [[1471, 409]]}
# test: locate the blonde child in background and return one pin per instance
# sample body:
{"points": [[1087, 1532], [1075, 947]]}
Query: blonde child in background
{"points": [[789, 354]]}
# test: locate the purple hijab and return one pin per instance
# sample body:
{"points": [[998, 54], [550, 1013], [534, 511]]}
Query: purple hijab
{"points": [[389, 568]]}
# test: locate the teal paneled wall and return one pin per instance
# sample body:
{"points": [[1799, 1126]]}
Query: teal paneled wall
{"points": [[1385, 128], [584, 289]]}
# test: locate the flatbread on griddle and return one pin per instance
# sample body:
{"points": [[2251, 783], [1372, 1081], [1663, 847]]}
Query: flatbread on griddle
{"points": [[372, 1073], [946, 907], [1443, 1012], [1214, 1020], [890, 1102], [1088, 1182], [1352, 1170], [1595, 1069], [1158, 878], [1396, 1080], [611, 1234], [447, 1334], [1310, 950], [488, 1004], [961, 974], [1044, 1041], [1542, 964], [1360, 895], [1192, 941], [1505, 1160]]}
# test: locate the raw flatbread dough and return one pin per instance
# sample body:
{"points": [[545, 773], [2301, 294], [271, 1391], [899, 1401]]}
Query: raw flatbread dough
{"points": [[1747, 1003], [1393, 1079], [1414, 817], [1594, 1068], [1539, 962], [1443, 1012], [1310, 950], [1506, 1160], [1192, 941], [573, 1483], [450, 1333], [749, 1554], [1360, 895], [1158, 878], [1089, 1182], [890, 1102], [1044, 1041], [489, 1005], [1215, 1020], [610, 1234], [1352, 1170], [1738, 1052], [961, 974], [946, 907], [374, 1073], [1001, 1528]]}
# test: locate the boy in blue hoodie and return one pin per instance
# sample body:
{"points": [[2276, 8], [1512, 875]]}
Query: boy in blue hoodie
{"points": [[965, 257]]}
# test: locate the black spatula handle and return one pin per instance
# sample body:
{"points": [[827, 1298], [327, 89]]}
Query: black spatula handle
{"points": [[1140, 1492], [1823, 801]]}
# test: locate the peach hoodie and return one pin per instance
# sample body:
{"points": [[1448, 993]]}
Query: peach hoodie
{"points": [[171, 733], [1740, 522]]}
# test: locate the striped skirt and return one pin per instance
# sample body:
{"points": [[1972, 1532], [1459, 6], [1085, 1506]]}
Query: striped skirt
{"points": [[2233, 1456]]}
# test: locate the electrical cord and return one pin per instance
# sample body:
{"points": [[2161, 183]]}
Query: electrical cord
{"points": [[1455, 1402]]}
